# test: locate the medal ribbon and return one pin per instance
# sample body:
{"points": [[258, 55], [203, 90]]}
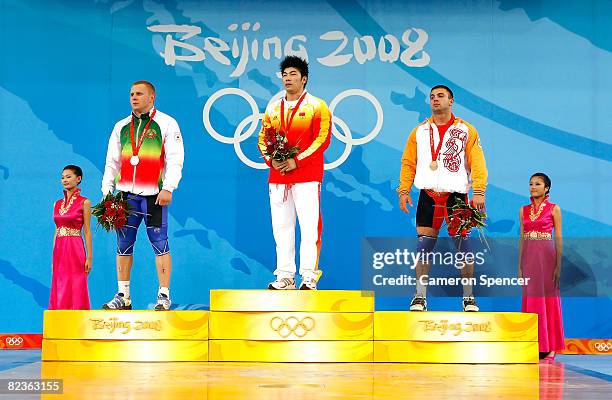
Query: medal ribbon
{"points": [[436, 152], [282, 113], [136, 149]]}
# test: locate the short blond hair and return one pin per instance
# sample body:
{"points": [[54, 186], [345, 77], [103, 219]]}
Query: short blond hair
{"points": [[147, 84]]}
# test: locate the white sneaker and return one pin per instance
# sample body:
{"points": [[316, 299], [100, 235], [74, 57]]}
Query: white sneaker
{"points": [[163, 302], [308, 284], [282, 284], [119, 302]]}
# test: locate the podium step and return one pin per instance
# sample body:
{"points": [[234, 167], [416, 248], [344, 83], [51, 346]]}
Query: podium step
{"points": [[455, 337], [456, 326], [292, 300], [70, 335], [291, 326], [290, 351], [124, 350], [456, 352], [125, 325]]}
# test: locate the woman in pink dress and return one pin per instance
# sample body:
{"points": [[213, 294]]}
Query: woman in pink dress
{"points": [[71, 264], [540, 254]]}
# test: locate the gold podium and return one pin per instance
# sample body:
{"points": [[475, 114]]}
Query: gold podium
{"points": [[453, 337], [70, 335], [291, 326]]}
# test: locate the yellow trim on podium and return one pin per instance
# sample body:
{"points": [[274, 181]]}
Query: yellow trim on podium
{"points": [[291, 326], [126, 325], [124, 350], [456, 352], [292, 300], [456, 326], [290, 351]]}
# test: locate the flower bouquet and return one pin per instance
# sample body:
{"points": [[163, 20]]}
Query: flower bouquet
{"points": [[463, 217], [112, 212], [277, 147]]}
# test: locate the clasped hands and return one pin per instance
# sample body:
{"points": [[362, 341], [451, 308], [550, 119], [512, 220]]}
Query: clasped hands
{"points": [[284, 166]]}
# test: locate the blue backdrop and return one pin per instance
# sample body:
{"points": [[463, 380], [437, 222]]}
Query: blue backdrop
{"points": [[532, 76]]}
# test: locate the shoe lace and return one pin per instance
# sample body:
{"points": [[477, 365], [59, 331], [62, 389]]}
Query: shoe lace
{"points": [[286, 281], [117, 301], [163, 299]]}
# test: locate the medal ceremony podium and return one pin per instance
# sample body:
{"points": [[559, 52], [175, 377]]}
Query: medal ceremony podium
{"points": [[290, 326], [125, 335]]}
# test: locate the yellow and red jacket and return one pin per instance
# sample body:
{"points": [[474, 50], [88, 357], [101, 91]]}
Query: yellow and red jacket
{"points": [[461, 161], [310, 131]]}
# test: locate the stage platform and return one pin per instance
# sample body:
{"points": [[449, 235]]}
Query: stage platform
{"points": [[290, 326], [571, 377]]}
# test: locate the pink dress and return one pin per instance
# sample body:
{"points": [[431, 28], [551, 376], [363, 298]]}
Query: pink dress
{"points": [[538, 262], [69, 281]]}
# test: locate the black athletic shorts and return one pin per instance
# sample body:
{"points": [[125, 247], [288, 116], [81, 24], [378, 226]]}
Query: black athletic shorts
{"points": [[428, 215]]}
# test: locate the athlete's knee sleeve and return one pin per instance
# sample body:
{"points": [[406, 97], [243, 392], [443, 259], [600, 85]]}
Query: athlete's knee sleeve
{"points": [[126, 237], [425, 244], [463, 244], [158, 236]]}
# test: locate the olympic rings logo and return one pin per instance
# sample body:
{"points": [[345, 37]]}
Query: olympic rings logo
{"points": [[603, 347], [252, 121], [292, 325], [13, 341]]}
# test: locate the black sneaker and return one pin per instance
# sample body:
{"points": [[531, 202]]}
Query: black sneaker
{"points": [[119, 302], [419, 303], [469, 304]]}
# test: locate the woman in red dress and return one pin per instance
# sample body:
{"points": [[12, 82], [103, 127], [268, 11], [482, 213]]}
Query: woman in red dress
{"points": [[71, 264], [540, 254]]}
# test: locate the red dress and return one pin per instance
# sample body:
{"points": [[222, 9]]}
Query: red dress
{"points": [[538, 261], [69, 281]]}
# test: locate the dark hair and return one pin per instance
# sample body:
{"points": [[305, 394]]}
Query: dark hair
{"points": [[295, 62], [450, 92], [147, 84], [75, 169], [545, 178]]}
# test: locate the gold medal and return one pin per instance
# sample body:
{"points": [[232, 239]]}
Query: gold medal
{"points": [[434, 165]]}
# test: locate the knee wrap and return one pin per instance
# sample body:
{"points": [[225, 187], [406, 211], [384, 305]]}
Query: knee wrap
{"points": [[425, 244], [126, 238], [463, 244], [158, 236]]}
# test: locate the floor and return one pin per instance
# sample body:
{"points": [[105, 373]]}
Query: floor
{"points": [[569, 377]]}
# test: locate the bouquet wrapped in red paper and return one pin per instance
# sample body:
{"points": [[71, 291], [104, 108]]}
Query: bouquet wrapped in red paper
{"points": [[277, 147], [112, 212], [463, 217]]}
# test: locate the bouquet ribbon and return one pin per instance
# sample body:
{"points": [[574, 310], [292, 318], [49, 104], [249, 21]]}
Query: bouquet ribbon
{"points": [[440, 211]]}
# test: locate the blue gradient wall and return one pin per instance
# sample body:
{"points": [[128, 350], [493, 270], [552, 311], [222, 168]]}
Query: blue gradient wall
{"points": [[532, 76]]}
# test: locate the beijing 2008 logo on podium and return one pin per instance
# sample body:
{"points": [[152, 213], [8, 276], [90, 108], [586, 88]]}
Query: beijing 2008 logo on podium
{"points": [[252, 121]]}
